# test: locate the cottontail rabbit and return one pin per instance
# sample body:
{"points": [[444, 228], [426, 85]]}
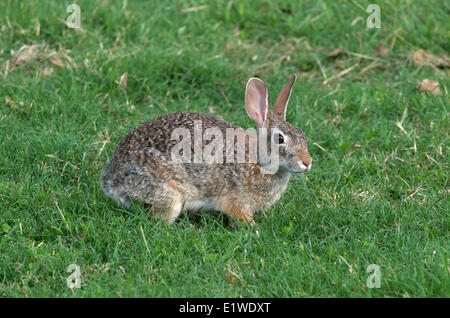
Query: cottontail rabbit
{"points": [[143, 166]]}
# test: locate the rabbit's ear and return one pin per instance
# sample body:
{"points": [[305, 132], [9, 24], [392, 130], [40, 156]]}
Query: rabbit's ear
{"points": [[279, 108], [256, 100]]}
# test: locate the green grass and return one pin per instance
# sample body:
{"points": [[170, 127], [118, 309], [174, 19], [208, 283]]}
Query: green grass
{"points": [[377, 194]]}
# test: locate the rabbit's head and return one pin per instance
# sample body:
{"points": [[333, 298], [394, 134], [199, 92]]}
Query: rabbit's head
{"points": [[288, 139]]}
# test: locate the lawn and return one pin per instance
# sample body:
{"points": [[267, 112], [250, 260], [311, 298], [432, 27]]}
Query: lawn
{"points": [[377, 192]]}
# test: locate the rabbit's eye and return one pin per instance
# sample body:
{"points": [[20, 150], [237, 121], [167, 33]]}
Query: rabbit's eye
{"points": [[280, 139]]}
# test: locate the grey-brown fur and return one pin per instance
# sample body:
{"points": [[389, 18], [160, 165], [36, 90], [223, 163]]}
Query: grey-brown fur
{"points": [[141, 167]]}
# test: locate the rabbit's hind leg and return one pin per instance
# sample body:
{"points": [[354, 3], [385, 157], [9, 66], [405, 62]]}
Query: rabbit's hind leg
{"points": [[168, 211], [175, 209]]}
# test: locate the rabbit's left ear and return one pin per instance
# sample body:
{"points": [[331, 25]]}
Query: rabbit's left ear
{"points": [[257, 101], [279, 108]]}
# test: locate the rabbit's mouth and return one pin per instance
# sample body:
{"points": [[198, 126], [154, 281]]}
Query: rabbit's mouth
{"points": [[303, 167], [300, 168]]}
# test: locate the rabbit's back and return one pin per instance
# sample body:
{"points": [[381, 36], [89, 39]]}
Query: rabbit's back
{"points": [[157, 133]]}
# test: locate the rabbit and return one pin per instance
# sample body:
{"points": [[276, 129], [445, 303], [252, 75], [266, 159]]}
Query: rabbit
{"points": [[142, 167]]}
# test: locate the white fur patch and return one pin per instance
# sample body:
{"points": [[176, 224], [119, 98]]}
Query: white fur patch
{"points": [[201, 204], [302, 166]]}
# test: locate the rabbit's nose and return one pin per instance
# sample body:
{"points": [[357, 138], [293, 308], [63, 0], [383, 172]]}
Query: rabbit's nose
{"points": [[305, 159]]}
